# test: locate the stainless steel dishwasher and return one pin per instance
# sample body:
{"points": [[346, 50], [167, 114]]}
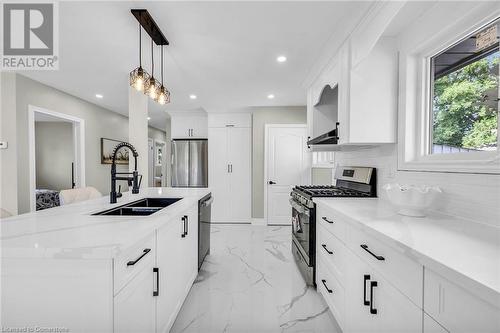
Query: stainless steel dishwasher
{"points": [[204, 212]]}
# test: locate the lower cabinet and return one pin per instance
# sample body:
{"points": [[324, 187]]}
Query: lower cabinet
{"points": [[134, 305], [374, 305], [457, 309], [151, 300], [177, 263], [431, 326]]}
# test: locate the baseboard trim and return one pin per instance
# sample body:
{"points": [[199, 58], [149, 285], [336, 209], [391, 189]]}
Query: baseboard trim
{"points": [[259, 221]]}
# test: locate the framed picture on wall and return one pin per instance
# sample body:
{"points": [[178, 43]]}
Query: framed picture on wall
{"points": [[107, 147]]}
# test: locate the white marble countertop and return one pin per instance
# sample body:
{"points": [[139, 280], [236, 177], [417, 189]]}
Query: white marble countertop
{"points": [[71, 232], [467, 251]]}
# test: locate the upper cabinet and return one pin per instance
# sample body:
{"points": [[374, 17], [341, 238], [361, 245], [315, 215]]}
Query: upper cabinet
{"points": [[190, 126], [354, 99], [358, 102]]}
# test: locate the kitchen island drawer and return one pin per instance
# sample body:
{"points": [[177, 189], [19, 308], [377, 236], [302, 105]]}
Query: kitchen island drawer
{"points": [[132, 261], [392, 263], [327, 217]]}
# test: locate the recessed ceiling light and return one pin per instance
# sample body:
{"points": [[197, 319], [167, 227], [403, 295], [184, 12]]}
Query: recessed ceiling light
{"points": [[193, 96], [99, 96], [270, 96], [149, 118], [281, 58]]}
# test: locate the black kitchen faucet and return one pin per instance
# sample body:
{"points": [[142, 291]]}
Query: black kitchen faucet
{"points": [[131, 180]]}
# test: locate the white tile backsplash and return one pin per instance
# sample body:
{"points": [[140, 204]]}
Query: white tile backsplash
{"points": [[471, 196]]}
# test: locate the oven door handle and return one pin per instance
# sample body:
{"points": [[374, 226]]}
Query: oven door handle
{"points": [[298, 207]]}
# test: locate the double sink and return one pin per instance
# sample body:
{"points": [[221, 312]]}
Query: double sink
{"points": [[142, 207]]}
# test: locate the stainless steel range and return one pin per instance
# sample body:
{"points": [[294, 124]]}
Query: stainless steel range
{"points": [[350, 182]]}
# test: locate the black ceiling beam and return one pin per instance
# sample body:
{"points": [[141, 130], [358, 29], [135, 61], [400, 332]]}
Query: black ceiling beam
{"points": [[147, 22]]}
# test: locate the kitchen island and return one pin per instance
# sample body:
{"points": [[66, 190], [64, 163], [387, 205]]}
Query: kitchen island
{"points": [[67, 268]]}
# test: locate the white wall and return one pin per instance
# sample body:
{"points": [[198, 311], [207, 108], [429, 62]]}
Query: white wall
{"points": [[54, 152], [261, 117], [8, 133], [99, 122]]}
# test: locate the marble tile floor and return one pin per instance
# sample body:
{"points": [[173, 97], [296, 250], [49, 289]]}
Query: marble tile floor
{"points": [[250, 283]]}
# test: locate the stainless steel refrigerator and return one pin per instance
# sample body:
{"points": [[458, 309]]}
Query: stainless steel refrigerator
{"points": [[190, 163]]}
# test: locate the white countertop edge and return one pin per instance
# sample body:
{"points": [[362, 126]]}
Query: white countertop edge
{"points": [[480, 288], [190, 197]]}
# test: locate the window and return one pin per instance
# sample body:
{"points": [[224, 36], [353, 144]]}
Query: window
{"points": [[464, 95]]}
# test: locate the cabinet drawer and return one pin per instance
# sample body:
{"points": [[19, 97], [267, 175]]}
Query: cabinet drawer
{"points": [[331, 221], [404, 273], [132, 261], [333, 292], [333, 252], [457, 309]]}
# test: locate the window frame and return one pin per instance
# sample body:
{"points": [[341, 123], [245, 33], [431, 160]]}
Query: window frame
{"points": [[415, 105]]}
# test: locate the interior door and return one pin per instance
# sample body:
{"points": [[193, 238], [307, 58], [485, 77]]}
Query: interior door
{"points": [[288, 165], [134, 306], [218, 169], [239, 144]]}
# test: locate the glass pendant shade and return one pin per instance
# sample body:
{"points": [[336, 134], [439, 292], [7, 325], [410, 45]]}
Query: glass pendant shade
{"points": [[163, 96], [152, 88], [138, 78]]}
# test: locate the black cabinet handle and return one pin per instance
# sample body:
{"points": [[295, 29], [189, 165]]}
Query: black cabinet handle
{"points": [[373, 284], [183, 219], [133, 262], [156, 271], [326, 287], [366, 277], [327, 220], [328, 251], [186, 223], [365, 247], [271, 182]]}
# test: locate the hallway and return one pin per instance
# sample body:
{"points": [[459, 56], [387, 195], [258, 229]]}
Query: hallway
{"points": [[249, 283]]}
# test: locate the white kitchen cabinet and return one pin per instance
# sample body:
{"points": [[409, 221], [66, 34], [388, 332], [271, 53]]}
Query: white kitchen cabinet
{"points": [[177, 263], [230, 119], [432, 326], [229, 168], [360, 101], [457, 309], [189, 126], [134, 306], [374, 305]]}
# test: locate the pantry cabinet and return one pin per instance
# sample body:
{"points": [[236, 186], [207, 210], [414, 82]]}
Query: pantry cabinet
{"points": [[193, 126], [229, 170]]}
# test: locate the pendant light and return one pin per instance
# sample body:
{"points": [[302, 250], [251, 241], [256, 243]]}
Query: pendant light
{"points": [[139, 77], [163, 95], [152, 86]]}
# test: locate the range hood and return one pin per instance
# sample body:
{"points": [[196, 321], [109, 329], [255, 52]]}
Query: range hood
{"points": [[329, 138]]}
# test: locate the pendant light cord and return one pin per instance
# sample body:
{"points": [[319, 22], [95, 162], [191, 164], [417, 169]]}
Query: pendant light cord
{"points": [[152, 60], [140, 46], [162, 64]]}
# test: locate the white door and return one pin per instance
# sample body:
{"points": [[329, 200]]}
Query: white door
{"points": [[134, 308], [218, 173], [239, 144], [288, 164]]}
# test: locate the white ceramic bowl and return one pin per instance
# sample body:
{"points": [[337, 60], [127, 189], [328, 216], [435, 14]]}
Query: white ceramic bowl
{"points": [[411, 200]]}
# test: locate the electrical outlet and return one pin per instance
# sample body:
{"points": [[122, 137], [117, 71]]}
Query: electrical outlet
{"points": [[4, 144]]}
